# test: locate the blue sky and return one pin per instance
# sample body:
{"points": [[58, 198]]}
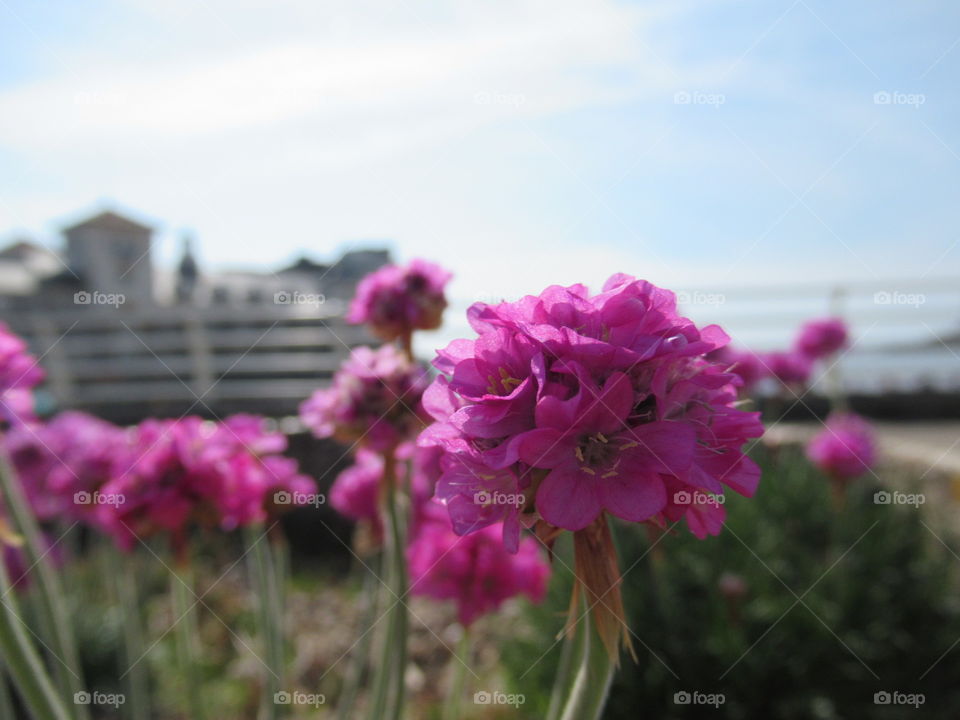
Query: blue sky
{"points": [[519, 143]]}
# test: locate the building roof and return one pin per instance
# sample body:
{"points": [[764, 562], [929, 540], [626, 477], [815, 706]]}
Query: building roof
{"points": [[110, 221]]}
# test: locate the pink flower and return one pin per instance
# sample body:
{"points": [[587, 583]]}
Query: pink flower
{"points": [[19, 373], [592, 404], [396, 300], [475, 570], [355, 493], [790, 368], [748, 365], [845, 448], [821, 338], [177, 474], [374, 400]]}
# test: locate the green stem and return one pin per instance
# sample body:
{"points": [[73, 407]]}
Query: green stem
{"points": [[389, 682], [138, 700], [23, 662], [571, 657], [459, 661], [589, 685], [371, 593], [186, 639], [52, 611], [270, 607]]}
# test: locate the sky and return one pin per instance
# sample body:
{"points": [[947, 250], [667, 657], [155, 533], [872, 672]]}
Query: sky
{"points": [[519, 143]]}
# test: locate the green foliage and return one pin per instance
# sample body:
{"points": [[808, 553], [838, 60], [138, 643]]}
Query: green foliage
{"points": [[839, 605]]}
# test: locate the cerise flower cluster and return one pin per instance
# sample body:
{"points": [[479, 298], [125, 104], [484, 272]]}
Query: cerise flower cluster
{"points": [[570, 404]]}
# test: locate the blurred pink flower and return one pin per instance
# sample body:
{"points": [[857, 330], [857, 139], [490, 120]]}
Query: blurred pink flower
{"points": [[374, 400], [474, 570], [845, 448], [789, 367], [819, 339], [396, 300], [177, 474], [19, 373]]}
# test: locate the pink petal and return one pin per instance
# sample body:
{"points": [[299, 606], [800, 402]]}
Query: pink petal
{"points": [[635, 497], [567, 498]]}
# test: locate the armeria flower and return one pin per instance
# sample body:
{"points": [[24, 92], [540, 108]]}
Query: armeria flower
{"points": [[748, 365], [790, 367], [396, 300], [475, 571], [178, 474], [356, 492], [845, 449], [819, 339], [19, 373], [374, 400], [595, 403], [64, 462]]}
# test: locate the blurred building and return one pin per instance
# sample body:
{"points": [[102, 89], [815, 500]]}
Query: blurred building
{"points": [[125, 339]]}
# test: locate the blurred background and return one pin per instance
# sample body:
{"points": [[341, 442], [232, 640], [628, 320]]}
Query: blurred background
{"points": [[189, 192]]}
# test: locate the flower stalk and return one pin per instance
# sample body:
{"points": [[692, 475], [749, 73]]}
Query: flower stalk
{"points": [[270, 609], [185, 625], [22, 661], [52, 611], [389, 682]]}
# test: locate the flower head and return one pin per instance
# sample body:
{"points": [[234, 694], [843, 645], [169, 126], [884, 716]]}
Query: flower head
{"points": [[396, 300], [789, 367], [19, 373], [845, 448], [586, 404], [374, 400], [821, 338], [190, 472], [475, 570]]}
